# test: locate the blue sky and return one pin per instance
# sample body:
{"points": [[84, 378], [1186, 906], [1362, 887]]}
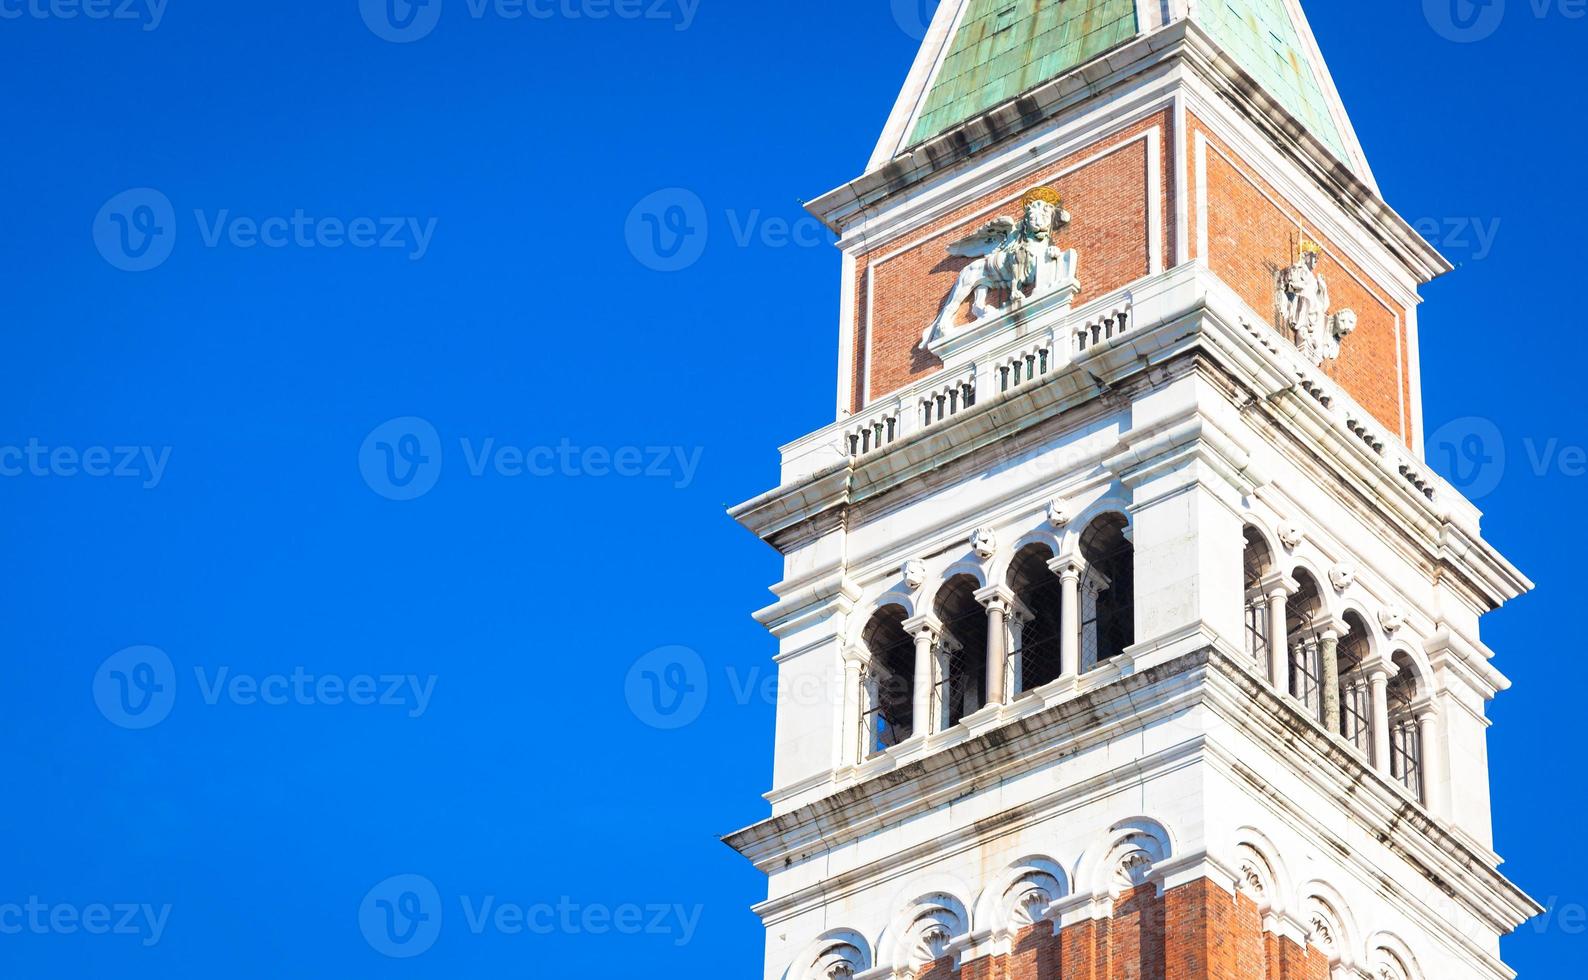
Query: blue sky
{"points": [[421, 647]]}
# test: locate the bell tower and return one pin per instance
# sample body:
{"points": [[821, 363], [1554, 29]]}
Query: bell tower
{"points": [[1134, 638]]}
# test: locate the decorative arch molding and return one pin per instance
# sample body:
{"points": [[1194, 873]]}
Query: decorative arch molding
{"points": [[1006, 557], [1113, 503], [1276, 552], [1328, 600], [1263, 876], [1128, 856], [857, 627], [976, 569], [1389, 958], [1021, 896], [1412, 650], [933, 926], [837, 955], [1329, 925]]}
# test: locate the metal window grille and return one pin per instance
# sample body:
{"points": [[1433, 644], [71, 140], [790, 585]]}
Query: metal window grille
{"points": [[1306, 667], [1406, 754], [889, 705], [1257, 630], [1039, 655], [1355, 711], [958, 689]]}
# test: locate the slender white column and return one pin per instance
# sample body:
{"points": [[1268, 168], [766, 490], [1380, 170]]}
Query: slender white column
{"points": [[927, 632], [1070, 625], [1278, 640], [1378, 679]]}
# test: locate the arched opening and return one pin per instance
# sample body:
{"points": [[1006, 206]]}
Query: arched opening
{"points": [[1258, 565], [1038, 628], [1356, 695], [1303, 608], [888, 683], [1108, 591], [961, 667], [1406, 734]]}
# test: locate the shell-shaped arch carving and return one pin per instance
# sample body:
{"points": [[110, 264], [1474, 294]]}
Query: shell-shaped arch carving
{"points": [[929, 928], [837, 955], [1261, 872], [1128, 855], [1328, 923], [1019, 897], [1389, 958]]}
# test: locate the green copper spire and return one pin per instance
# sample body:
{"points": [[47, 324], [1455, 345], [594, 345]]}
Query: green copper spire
{"points": [[1260, 36], [1003, 48], [1006, 47]]}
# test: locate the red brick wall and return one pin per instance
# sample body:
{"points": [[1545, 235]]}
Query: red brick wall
{"points": [[1253, 232], [1107, 200], [1197, 931]]}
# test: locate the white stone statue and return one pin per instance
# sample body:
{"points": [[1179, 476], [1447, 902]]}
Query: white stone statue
{"points": [[1009, 255], [914, 572], [1304, 308]]}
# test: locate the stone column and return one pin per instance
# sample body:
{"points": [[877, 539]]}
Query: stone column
{"points": [[1093, 585], [997, 651], [998, 600], [1378, 679], [1070, 618], [1330, 680], [1279, 588], [927, 632]]}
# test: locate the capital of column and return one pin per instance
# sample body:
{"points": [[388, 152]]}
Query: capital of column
{"points": [[1424, 709], [1277, 585], [858, 654], [1068, 567], [997, 597], [926, 624]]}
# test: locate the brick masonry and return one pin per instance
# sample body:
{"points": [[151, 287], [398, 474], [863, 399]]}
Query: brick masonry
{"points": [[1107, 200], [1197, 931], [1253, 231]]}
